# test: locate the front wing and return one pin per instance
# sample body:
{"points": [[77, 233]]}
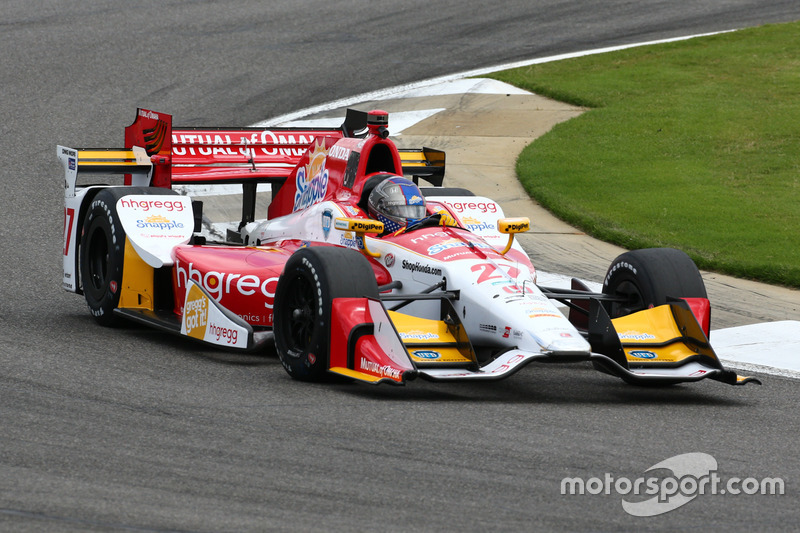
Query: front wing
{"points": [[372, 345]]}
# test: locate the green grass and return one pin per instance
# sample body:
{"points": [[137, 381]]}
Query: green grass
{"points": [[693, 145]]}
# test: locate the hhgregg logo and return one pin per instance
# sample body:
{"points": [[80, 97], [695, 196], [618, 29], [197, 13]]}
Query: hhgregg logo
{"points": [[147, 205], [218, 284]]}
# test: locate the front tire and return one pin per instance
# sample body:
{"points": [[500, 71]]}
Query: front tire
{"points": [[312, 279], [647, 278]]}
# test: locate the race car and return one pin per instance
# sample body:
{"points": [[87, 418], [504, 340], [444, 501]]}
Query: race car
{"points": [[355, 269]]}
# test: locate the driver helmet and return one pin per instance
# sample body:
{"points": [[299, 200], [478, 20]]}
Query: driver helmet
{"points": [[396, 202]]}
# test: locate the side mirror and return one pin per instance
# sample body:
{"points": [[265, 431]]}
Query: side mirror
{"points": [[360, 226], [512, 226]]}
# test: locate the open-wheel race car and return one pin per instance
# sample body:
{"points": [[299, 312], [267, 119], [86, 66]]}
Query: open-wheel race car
{"points": [[356, 270]]}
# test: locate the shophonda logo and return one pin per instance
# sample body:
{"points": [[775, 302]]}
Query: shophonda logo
{"points": [[692, 475]]}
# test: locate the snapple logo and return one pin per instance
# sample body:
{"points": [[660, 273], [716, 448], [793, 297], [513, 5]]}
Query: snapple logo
{"points": [[158, 222], [311, 182]]}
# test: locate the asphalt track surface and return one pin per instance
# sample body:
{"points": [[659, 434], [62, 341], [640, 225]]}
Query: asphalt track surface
{"points": [[106, 430]]}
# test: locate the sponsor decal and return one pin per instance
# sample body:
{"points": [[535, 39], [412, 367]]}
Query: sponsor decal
{"points": [[155, 224], [348, 240], [358, 225], [507, 332], [195, 313], [146, 205], [488, 328], [516, 227], [222, 144], [623, 264], [374, 368], [425, 236], [455, 243], [256, 318], [312, 180], [545, 315], [204, 322], [635, 336], [339, 152], [423, 269], [426, 354], [418, 335], [327, 220], [158, 222], [218, 284], [483, 207], [477, 226], [389, 260], [71, 163], [643, 354]]}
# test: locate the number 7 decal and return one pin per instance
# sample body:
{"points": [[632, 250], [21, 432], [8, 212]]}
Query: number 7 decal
{"points": [[69, 220]]}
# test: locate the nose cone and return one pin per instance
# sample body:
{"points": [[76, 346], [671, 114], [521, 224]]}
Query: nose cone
{"points": [[569, 344]]}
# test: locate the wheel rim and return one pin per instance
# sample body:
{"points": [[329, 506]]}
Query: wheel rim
{"points": [[98, 262], [301, 310], [634, 299]]}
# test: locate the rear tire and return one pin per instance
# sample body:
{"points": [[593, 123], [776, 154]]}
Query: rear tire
{"points": [[648, 277], [311, 280], [102, 251]]}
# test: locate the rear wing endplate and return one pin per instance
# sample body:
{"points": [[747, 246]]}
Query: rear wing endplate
{"points": [[134, 162]]}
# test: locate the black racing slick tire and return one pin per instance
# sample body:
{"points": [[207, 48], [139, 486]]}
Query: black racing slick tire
{"points": [[647, 278], [311, 280], [102, 251]]}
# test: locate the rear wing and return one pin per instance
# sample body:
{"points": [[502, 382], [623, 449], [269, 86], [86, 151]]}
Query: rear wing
{"points": [[159, 155], [426, 163], [222, 155], [134, 162]]}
